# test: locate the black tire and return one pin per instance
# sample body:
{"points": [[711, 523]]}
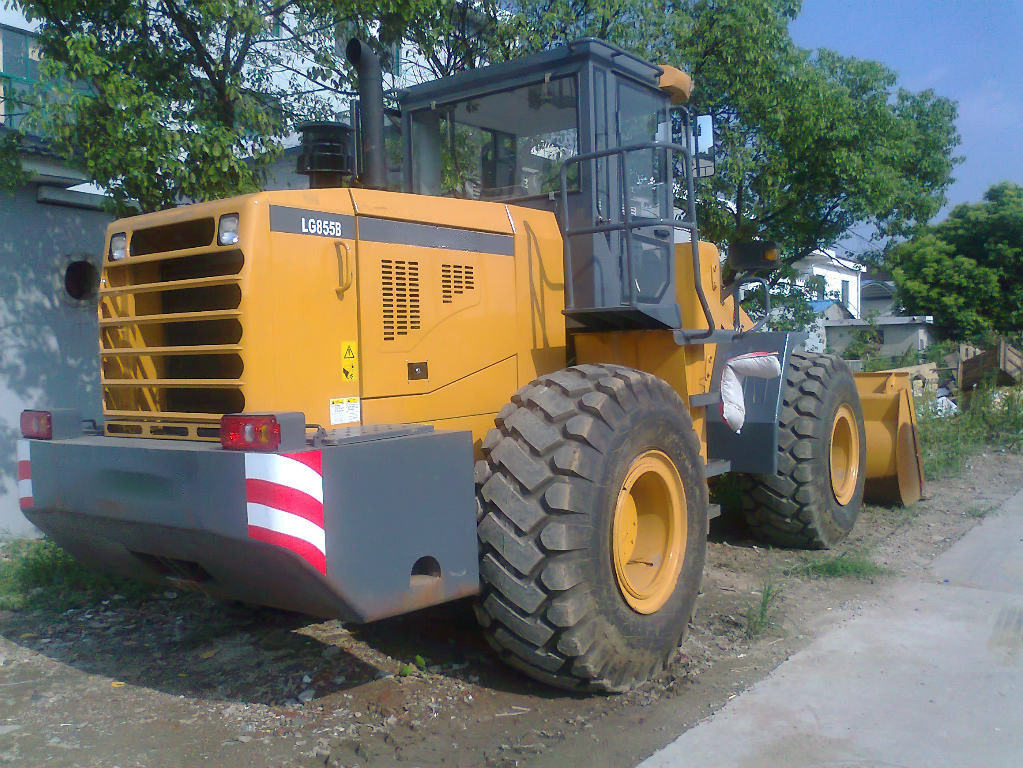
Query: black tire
{"points": [[797, 507], [550, 604]]}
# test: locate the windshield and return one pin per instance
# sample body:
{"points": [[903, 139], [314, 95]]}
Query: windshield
{"points": [[501, 146]]}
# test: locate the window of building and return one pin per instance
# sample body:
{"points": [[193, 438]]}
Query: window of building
{"points": [[19, 69]]}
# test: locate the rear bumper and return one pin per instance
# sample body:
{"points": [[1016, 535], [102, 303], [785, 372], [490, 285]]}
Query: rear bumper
{"points": [[380, 522]]}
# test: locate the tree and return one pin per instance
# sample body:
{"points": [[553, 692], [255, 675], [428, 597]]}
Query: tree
{"points": [[965, 270], [165, 100], [451, 36], [809, 144]]}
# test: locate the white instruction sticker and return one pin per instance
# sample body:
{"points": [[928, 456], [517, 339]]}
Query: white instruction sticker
{"points": [[345, 410]]}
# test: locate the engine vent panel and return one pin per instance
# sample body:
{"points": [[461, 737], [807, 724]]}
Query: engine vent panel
{"points": [[400, 294], [455, 280]]}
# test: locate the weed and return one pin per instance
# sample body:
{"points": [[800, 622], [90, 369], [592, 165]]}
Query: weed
{"points": [[36, 574], [758, 615], [848, 565], [986, 417], [977, 511]]}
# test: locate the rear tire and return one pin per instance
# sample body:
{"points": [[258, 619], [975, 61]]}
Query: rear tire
{"points": [[815, 498], [585, 467]]}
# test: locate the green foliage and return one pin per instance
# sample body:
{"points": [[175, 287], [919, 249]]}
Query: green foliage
{"points": [[156, 101], [978, 511], [759, 615], [172, 101], [848, 565], [965, 270], [987, 418], [11, 174], [937, 351], [865, 342], [790, 304], [873, 363], [809, 144], [455, 35], [790, 301], [36, 574]]}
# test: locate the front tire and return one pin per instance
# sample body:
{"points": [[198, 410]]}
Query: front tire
{"points": [[815, 498], [593, 527]]}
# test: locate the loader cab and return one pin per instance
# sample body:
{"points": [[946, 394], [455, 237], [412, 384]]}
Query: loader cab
{"points": [[583, 130]]}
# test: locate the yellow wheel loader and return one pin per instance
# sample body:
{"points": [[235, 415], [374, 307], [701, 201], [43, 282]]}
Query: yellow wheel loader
{"points": [[511, 379]]}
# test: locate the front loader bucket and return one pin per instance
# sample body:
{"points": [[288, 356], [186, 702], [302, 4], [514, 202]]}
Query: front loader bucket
{"points": [[895, 473]]}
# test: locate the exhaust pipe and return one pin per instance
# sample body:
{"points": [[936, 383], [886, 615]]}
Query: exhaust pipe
{"points": [[371, 112]]}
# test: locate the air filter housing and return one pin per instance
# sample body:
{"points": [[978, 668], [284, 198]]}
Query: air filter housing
{"points": [[326, 155]]}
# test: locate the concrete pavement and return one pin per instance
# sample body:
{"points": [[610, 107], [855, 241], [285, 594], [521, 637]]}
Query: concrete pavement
{"points": [[930, 676]]}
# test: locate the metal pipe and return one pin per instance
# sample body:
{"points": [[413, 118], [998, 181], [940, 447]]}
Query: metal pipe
{"points": [[371, 112]]}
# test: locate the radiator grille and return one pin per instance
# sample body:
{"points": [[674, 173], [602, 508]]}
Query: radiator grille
{"points": [[173, 237], [456, 279], [399, 289], [170, 337]]}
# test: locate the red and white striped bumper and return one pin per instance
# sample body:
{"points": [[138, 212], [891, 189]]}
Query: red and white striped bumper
{"points": [[343, 530], [24, 475]]}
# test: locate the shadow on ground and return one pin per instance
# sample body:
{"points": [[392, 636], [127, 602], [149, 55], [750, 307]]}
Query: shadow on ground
{"points": [[196, 646]]}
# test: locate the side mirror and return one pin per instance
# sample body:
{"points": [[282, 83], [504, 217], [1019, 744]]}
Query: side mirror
{"points": [[753, 256], [703, 149]]}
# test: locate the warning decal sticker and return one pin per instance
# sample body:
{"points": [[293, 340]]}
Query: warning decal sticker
{"points": [[345, 410], [350, 361], [284, 503]]}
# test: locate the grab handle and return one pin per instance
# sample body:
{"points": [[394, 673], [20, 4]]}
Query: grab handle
{"points": [[344, 267]]}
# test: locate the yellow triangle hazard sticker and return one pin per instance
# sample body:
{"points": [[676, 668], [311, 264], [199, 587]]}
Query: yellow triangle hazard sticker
{"points": [[350, 361]]}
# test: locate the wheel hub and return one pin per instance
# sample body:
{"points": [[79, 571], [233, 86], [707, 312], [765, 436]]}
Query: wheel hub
{"points": [[649, 532], [844, 450]]}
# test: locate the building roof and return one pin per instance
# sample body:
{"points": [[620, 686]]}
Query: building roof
{"points": [[877, 289], [820, 306], [893, 320], [828, 259]]}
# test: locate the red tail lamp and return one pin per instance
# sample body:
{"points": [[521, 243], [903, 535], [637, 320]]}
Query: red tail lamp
{"points": [[263, 431], [37, 425], [51, 424]]}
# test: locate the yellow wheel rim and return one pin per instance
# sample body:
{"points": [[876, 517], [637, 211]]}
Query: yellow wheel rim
{"points": [[845, 455], [649, 531]]}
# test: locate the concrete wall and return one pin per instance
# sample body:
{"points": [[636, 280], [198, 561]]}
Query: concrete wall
{"points": [[896, 339], [881, 307], [48, 341]]}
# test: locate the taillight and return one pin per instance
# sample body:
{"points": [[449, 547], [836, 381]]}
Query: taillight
{"points": [[239, 432], [37, 424]]}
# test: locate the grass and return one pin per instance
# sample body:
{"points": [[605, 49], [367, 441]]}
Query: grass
{"points": [[848, 565], [758, 615], [978, 511], [986, 417], [36, 574]]}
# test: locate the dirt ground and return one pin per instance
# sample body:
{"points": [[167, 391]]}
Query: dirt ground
{"points": [[183, 680]]}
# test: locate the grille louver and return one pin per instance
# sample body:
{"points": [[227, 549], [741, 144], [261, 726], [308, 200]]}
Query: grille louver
{"points": [[456, 279], [170, 336], [399, 290]]}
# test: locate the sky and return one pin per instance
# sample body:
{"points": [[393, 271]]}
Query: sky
{"points": [[967, 50]]}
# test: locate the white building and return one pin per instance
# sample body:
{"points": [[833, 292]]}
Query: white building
{"points": [[842, 278]]}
